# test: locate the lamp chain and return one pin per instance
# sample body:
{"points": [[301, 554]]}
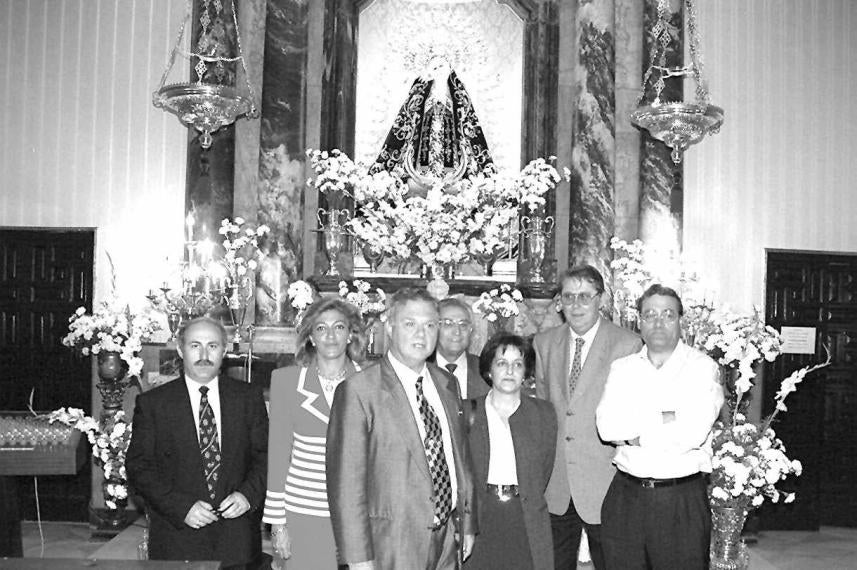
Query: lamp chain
{"points": [[695, 55], [253, 113]]}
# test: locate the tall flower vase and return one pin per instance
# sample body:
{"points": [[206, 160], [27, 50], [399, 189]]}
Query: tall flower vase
{"points": [[728, 551], [111, 372], [115, 491], [501, 324]]}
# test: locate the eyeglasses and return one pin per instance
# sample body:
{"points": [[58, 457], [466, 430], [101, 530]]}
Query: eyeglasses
{"points": [[584, 299], [667, 316], [449, 324]]}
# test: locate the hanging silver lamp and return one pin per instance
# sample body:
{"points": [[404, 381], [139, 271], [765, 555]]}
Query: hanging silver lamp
{"points": [[678, 124], [210, 102]]}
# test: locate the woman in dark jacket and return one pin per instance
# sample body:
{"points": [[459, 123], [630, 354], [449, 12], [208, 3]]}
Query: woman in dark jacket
{"points": [[513, 441]]}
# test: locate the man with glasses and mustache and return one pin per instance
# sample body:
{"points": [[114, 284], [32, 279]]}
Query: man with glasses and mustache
{"points": [[398, 468], [572, 362], [658, 408], [453, 340], [198, 456]]}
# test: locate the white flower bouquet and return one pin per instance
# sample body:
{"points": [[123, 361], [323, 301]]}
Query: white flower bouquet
{"points": [[240, 246], [749, 460], [498, 303], [739, 341], [109, 442], [448, 225], [111, 328], [630, 279], [301, 295], [370, 305]]}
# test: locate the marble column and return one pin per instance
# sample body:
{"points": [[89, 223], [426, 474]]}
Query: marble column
{"points": [[593, 138], [251, 22], [541, 111], [629, 74], [661, 179], [281, 181]]}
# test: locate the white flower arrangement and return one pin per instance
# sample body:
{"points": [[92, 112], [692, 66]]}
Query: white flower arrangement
{"points": [[501, 302], [109, 442], [359, 293], [447, 225], [739, 341], [749, 460], [301, 294], [630, 278], [111, 328], [241, 246]]}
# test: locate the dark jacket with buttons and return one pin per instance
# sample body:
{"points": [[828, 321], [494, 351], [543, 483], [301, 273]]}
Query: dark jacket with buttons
{"points": [[533, 427]]}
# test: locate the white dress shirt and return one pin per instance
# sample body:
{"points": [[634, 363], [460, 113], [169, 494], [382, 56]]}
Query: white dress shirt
{"points": [[502, 469], [408, 379], [588, 338], [213, 400], [460, 371], [671, 409]]}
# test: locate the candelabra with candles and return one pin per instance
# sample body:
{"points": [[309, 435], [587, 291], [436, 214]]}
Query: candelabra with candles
{"points": [[204, 284]]}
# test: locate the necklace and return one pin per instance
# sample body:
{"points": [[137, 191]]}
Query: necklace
{"points": [[329, 383]]}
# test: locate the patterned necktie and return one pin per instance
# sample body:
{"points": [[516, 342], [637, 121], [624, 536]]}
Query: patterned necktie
{"points": [[438, 468], [576, 365], [451, 367], [209, 442]]}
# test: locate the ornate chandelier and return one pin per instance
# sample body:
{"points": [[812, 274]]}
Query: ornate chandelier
{"points": [[678, 124], [211, 101]]}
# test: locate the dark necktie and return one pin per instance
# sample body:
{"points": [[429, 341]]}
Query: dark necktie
{"points": [[576, 365], [438, 468], [209, 443], [451, 367]]}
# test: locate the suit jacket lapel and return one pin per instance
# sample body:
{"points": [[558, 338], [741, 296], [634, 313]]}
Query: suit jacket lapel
{"points": [[185, 426], [309, 386], [481, 448], [452, 407], [521, 435], [559, 360], [405, 422], [476, 386], [230, 413]]}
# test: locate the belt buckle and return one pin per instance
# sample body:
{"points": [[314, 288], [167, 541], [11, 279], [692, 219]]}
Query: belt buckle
{"points": [[648, 483], [504, 493]]}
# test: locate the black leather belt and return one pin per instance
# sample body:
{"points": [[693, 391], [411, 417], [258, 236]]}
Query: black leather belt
{"points": [[649, 483], [503, 492]]}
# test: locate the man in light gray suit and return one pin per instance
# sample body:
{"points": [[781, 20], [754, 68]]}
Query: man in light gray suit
{"points": [[398, 468], [572, 363]]}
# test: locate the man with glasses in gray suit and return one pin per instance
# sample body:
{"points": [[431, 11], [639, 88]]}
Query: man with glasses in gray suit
{"points": [[572, 363]]}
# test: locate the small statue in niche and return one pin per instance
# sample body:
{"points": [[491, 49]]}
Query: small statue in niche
{"points": [[436, 136], [272, 281]]}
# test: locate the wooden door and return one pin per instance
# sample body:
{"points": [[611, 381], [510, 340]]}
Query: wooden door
{"points": [[44, 276], [816, 290]]}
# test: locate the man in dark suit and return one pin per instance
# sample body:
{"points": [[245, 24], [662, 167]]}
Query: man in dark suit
{"points": [[398, 468], [572, 363], [198, 456], [453, 340]]}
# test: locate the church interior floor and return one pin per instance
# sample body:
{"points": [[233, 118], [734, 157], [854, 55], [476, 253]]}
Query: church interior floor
{"points": [[831, 548]]}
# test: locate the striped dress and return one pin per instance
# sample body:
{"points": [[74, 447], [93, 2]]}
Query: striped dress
{"points": [[296, 492]]}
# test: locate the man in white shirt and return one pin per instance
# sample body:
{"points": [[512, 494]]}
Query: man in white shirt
{"points": [[453, 340], [572, 361], [398, 470], [658, 408], [198, 456]]}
